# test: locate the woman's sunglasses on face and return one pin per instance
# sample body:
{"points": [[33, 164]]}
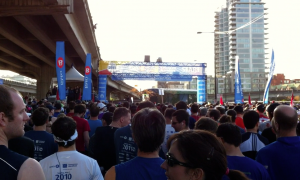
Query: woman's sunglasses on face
{"points": [[171, 161]]}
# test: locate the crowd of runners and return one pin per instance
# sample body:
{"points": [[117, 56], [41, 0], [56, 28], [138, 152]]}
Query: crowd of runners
{"points": [[96, 140]]}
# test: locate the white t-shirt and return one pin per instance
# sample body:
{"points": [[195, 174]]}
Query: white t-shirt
{"points": [[70, 165], [169, 131]]}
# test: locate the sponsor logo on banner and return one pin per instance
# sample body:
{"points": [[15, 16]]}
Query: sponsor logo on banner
{"points": [[87, 70]]}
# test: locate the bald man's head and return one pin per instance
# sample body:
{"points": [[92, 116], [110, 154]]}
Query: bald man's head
{"points": [[286, 117]]}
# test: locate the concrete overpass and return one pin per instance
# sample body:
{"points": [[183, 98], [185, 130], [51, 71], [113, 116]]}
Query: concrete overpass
{"points": [[29, 30]]}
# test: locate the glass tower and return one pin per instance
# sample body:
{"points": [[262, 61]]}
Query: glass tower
{"points": [[245, 41]]}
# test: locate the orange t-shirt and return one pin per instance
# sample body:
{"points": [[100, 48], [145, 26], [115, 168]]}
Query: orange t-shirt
{"points": [[239, 122]]}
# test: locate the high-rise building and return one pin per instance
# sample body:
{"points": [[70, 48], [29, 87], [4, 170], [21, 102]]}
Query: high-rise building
{"points": [[244, 39]]}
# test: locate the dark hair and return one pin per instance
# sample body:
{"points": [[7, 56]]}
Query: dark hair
{"points": [[71, 105], [169, 112], [120, 112], [163, 108], [194, 108], [232, 113], [79, 109], [145, 104], [112, 109], [181, 115], [206, 123], [230, 133], [148, 129], [57, 106], [239, 109], [225, 119], [261, 108], [250, 118], [107, 117], [212, 159], [108, 106], [94, 110], [40, 116], [221, 110], [203, 111], [181, 105], [286, 120], [132, 109], [64, 128], [6, 102], [126, 104], [271, 108], [214, 113]]}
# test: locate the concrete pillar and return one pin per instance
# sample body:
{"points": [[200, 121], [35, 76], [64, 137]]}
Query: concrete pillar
{"points": [[44, 81]]}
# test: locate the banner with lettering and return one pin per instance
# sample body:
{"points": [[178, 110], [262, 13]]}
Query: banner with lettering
{"points": [[102, 82], [87, 84], [238, 92], [61, 69], [272, 68], [201, 89]]}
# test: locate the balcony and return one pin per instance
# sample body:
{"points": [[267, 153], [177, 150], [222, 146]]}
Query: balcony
{"points": [[232, 27], [232, 53], [232, 47], [232, 63], [231, 42], [232, 68], [233, 22]]}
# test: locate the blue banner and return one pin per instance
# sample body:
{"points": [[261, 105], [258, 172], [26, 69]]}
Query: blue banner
{"points": [[154, 77], [238, 92], [201, 90], [87, 85], [61, 69], [1, 81], [272, 68], [102, 82]]}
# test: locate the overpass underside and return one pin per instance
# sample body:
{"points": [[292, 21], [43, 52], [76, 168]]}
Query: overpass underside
{"points": [[29, 30]]}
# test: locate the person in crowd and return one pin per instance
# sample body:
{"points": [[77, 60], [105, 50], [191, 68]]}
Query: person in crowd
{"points": [[260, 109], [225, 119], [68, 163], [126, 104], [197, 155], [107, 118], [239, 116], [169, 129], [71, 107], [194, 110], [113, 108], [102, 108], [233, 114], [123, 138], [148, 125], [83, 129], [268, 132], [43, 141], [281, 158], [231, 138], [252, 142], [102, 145], [12, 120], [57, 109], [180, 120], [202, 111], [94, 122], [182, 105], [221, 109], [214, 114], [207, 124], [54, 90], [22, 145]]}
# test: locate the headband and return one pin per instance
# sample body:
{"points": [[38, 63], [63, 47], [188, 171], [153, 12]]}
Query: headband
{"points": [[72, 138]]}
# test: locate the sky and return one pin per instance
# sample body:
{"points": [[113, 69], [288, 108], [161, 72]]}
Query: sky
{"points": [[129, 30]]}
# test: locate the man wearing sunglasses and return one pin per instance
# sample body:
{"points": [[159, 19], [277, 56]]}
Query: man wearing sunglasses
{"points": [[180, 120], [148, 131]]}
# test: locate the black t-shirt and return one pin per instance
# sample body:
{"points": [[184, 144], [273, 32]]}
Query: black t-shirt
{"points": [[269, 134], [22, 145], [102, 146]]}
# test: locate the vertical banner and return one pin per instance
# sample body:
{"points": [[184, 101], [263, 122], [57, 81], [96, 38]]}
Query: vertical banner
{"points": [[272, 68], [87, 85], [102, 87], [1, 81], [201, 90], [238, 93], [61, 69]]}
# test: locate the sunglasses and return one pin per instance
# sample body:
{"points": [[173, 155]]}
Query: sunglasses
{"points": [[171, 161]]}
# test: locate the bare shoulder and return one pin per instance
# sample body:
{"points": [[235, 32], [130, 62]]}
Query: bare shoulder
{"points": [[111, 174], [31, 170]]}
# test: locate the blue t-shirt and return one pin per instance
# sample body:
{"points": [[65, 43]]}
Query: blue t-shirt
{"points": [[126, 148], [281, 158], [141, 168], [192, 122], [56, 114], [44, 144], [93, 126], [248, 166]]}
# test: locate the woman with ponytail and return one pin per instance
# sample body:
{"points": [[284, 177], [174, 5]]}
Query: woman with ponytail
{"points": [[197, 155]]}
